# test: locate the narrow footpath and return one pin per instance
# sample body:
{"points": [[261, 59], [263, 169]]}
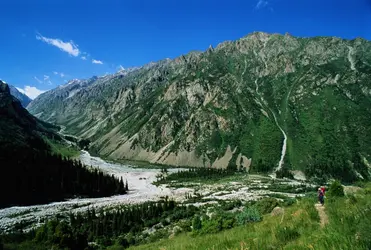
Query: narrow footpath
{"points": [[322, 214]]}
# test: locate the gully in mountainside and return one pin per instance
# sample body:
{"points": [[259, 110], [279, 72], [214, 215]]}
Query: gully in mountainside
{"points": [[284, 146]]}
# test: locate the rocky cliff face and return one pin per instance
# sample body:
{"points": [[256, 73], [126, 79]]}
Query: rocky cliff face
{"points": [[264, 102]]}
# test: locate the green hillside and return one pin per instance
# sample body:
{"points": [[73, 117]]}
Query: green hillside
{"points": [[298, 227], [263, 102]]}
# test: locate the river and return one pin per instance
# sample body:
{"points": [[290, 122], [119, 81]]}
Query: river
{"points": [[141, 189]]}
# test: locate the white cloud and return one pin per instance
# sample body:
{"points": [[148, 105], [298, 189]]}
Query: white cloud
{"points": [[121, 68], [83, 57], [68, 47], [261, 4], [31, 92], [97, 61], [46, 77], [57, 74], [37, 79]]}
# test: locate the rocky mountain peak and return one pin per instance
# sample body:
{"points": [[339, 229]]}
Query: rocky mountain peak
{"points": [[258, 35], [4, 88]]}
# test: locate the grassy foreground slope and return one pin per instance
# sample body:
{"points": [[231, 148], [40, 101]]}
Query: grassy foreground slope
{"points": [[298, 227]]}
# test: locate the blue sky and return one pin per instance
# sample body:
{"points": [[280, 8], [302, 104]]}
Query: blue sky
{"points": [[45, 43]]}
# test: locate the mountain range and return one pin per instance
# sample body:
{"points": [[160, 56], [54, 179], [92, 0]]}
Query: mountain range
{"points": [[263, 103]]}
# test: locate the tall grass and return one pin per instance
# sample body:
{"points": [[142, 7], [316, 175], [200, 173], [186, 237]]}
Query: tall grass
{"points": [[349, 227]]}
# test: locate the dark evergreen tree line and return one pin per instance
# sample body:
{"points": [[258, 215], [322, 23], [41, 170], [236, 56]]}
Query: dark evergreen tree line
{"points": [[103, 227], [33, 177], [202, 173], [123, 220]]}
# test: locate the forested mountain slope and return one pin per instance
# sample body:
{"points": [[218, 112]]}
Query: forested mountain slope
{"points": [[18, 128], [263, 102], [30, 173]]}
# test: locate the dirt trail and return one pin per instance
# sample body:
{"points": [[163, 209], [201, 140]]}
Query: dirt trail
{"points": [[322, 214]]}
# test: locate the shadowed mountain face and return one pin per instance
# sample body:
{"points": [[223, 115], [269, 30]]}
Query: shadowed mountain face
{"points": [[25, 100], [30, 172], [18, 128], [264, 102]]}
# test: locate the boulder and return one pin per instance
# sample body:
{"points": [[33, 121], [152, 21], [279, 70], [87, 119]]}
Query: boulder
{"points": [[277, 211]]}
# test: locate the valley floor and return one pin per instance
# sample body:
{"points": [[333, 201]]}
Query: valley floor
{"points": [[231, 213], [141, 188]]}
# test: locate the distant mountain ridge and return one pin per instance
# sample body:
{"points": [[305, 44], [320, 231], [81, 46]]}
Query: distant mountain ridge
{"points": [[264, 102], [25, 100]]}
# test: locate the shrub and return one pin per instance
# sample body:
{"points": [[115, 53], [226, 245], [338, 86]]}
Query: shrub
{"points": [[250, 214], [212, 226], [151, 222], [226, 206], [130, 237], [284, 172], [266, 205], [185, 225], [104, 241], [367, 190], [165, 222], [196, 223], [159, 234], [289, 201], [122, 241], [41, 234], [228, 223], [336, 189]]}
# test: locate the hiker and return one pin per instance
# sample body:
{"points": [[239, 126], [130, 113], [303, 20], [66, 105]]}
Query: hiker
{"points": [[323, 190], [321, 197]]}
